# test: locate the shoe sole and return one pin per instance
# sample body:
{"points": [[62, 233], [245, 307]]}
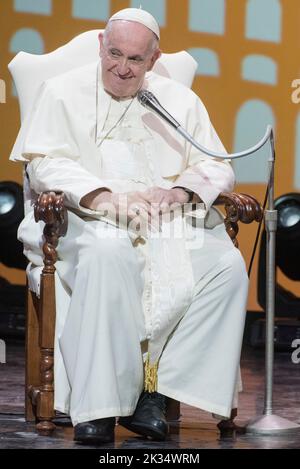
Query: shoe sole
{"points": [[93, 440], [145, 430]]}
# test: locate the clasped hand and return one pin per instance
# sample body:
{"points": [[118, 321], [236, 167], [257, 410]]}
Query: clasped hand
{"points": [[147, 205]]}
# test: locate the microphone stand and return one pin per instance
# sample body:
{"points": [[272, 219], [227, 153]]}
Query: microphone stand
{"points": [[268, 423]]}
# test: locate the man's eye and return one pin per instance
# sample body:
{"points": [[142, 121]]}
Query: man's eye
{"points": [[114, 53], [136, 60]]}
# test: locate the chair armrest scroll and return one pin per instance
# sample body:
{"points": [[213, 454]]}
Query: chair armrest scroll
{"points": [[50, 209], [239, 208]]}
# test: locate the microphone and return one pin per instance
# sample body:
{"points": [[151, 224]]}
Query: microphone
{"points": [[149, 101]]}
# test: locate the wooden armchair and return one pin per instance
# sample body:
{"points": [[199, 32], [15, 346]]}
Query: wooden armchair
{"points": [[29, 71], [39, 385]]}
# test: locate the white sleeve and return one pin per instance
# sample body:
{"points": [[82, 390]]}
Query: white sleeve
{"points": [[51, 151], [205, 176]]}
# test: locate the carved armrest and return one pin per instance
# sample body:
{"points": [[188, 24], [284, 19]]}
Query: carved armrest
{"points": [[50, 209], [239, 208]]}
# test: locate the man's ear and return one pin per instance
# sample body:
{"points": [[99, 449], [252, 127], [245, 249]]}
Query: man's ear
{"points": [[154, 58], [100, 37]]}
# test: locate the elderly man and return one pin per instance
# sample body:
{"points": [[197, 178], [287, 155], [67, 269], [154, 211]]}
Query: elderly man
{"points": [[142, 313]]}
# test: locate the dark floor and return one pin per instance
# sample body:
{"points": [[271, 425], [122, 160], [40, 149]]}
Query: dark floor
{"points": [[197, 428]]}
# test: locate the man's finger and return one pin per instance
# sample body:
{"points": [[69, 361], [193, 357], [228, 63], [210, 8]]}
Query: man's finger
{"points": [[164, 207]]}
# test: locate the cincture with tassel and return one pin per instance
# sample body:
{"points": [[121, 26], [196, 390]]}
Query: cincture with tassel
{"points": [[150, 375]]}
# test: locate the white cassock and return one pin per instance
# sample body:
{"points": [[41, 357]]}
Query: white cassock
{"points": [[182, 297]]}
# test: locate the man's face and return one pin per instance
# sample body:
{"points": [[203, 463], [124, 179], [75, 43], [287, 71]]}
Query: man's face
{"points": [[126, 53]]}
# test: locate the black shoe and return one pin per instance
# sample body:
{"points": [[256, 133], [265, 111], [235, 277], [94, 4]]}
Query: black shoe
{"points": [[95, 431], [149, 418]]}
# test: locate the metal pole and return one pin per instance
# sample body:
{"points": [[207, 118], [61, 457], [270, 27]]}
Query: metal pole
{"points": [[271, 225]]}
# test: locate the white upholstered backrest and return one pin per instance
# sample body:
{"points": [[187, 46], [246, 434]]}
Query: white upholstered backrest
{"points": [[29, 71]]}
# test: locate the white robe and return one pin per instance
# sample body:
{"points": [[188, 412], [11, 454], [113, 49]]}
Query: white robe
{"points": [[63, 154]]}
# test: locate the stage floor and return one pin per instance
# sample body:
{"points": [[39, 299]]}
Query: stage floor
{"points": [[197, 428]]}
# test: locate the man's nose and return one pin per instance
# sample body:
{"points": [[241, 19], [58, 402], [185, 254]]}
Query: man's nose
{"points": [[123, 67]]}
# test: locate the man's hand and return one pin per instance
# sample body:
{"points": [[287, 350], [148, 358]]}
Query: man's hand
{"points": [[166, 197], [128, 204], [143, 208], [94, 198], [150, 201]]}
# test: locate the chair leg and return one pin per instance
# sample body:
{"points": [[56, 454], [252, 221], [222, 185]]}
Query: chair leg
{"points": [[173, 416], [45, 397], [32, 366], [173, 410], [50, 209], [228, 428]]}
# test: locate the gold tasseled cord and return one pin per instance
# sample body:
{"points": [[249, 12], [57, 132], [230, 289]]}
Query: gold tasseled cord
{"points": [[150, 375]]}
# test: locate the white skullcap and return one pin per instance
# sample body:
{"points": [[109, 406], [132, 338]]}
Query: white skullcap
{"points": [[139, 16]]}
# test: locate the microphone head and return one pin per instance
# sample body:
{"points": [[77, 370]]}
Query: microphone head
{"points": [[145, 97], [149, 101]]}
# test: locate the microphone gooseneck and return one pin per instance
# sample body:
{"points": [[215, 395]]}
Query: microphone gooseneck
{"points": [[149, 101]]}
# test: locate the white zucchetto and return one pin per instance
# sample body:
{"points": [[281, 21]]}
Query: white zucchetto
{"points": [[139, 16]]}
